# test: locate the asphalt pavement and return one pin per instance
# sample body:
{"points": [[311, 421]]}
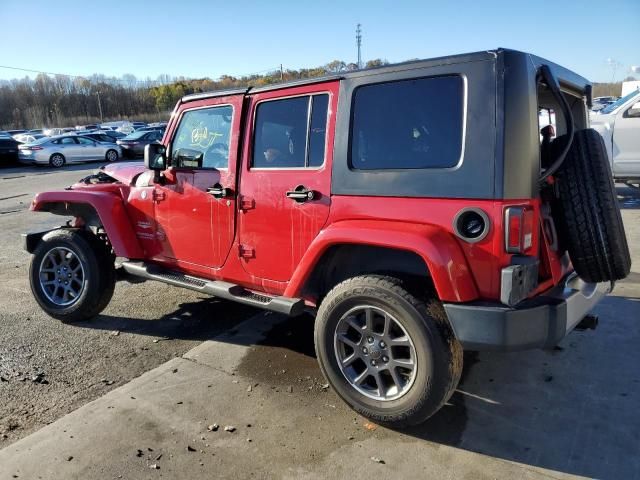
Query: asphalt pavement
{"points": [[570, 411]]}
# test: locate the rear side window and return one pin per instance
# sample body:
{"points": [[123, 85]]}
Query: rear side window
{"points": [[291, 133], [409, 124]]}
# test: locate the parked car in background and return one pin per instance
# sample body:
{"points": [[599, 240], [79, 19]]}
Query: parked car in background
{"points": [[50, 132], [35, 130], [126, 129], [8, 148], [60, 150], [99, 136], [133, 144], [150, 129], [29, 137], [114, 134], [87, 127], [600, 102], [15, 132], [68, 129], [619, 125]]}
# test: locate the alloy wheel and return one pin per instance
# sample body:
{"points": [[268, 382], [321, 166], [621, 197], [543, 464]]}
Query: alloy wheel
{"points": [[375, 353], [62, 277]]}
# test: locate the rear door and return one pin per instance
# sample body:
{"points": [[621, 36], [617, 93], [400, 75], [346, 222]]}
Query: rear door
{"points": [[195, 208], [88, 148], [286, 177]]}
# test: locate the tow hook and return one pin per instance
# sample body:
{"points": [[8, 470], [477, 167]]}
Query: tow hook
{"points": [[588, 322]]}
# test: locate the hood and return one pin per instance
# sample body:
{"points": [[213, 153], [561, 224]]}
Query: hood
{"points": [[601, 118], [124, 172]]}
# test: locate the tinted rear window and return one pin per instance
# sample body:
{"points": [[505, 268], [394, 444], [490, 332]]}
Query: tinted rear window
{"points": [[408, 124]]}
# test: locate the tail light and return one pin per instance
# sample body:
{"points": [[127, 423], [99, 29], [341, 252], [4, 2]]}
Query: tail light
{"points": [[518, 229]]}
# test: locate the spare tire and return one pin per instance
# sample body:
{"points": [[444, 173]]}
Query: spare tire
{"points": [[589, 213]]}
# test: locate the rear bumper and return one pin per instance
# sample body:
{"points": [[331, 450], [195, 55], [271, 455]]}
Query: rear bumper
{"points": [[540, 322]]}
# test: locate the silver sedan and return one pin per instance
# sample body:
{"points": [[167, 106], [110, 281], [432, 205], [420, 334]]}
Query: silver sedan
{"points": [[57, 151]]}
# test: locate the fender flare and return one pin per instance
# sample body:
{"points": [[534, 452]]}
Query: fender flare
{"points": [[439, 249], [109, 208]]}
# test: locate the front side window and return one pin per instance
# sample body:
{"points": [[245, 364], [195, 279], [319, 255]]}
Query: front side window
{"points": [[203, 135], [409, 124], [290, 133], [84, 141]]}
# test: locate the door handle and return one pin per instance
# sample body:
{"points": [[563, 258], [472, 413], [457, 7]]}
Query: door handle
{"points": [[301, 194], [218, 191]]}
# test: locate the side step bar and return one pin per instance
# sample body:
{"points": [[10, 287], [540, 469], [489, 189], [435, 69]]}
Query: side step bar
{"points": [[228, 291]]}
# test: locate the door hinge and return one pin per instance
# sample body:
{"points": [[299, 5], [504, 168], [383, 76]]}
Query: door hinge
{"points": [[157, 195], [246, 252], [246, 203]]}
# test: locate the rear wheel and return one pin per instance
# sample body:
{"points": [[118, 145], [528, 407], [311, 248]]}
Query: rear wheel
{"points": [[72, 275], [57, 160], [390, 356], [111, 156]]}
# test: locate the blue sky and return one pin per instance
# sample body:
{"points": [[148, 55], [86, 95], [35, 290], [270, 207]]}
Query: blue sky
{"points": [[211, 38]]}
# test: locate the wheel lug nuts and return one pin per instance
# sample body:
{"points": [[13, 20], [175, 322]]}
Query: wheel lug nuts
{"points": [[69, 275], [374, 363], [370, 339], [365, 350], [383, 345], [385, 359]]}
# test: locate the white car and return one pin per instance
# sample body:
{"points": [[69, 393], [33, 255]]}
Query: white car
{"points": [[58, 151], [619, 125]]}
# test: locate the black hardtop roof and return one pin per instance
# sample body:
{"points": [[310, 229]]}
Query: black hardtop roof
{"points": [[486, 55]]}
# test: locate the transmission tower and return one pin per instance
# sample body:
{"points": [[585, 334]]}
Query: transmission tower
{"points": [[359, 43]]}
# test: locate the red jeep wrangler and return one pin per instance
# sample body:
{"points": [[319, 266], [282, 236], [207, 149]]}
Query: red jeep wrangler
{"points": [[413, 207]]}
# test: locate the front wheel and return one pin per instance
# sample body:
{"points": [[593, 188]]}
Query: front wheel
{"points": [[392, 357], [72, 275], [111, 156]]}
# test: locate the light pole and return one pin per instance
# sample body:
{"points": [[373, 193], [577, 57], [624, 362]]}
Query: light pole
{"points": [[359, 43], [100, 107]]}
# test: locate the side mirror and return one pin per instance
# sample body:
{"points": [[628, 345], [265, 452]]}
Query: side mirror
{"points": [[155, 157]]}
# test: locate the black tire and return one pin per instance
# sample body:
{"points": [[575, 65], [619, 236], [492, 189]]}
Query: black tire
{"points": [[98, 269], [590, 218], [57, 160], [111, 156], [424, 322]]}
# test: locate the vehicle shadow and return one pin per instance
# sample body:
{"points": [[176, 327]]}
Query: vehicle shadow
{"points": [[201, 320], [572, 409], [628, 197]]}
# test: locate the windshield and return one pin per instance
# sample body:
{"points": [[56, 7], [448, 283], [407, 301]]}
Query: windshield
{"points": [[617, 103]]}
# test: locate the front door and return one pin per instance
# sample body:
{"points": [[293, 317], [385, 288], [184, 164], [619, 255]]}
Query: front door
{"points": [[195, 208], [286, 177], [626, 142]]}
